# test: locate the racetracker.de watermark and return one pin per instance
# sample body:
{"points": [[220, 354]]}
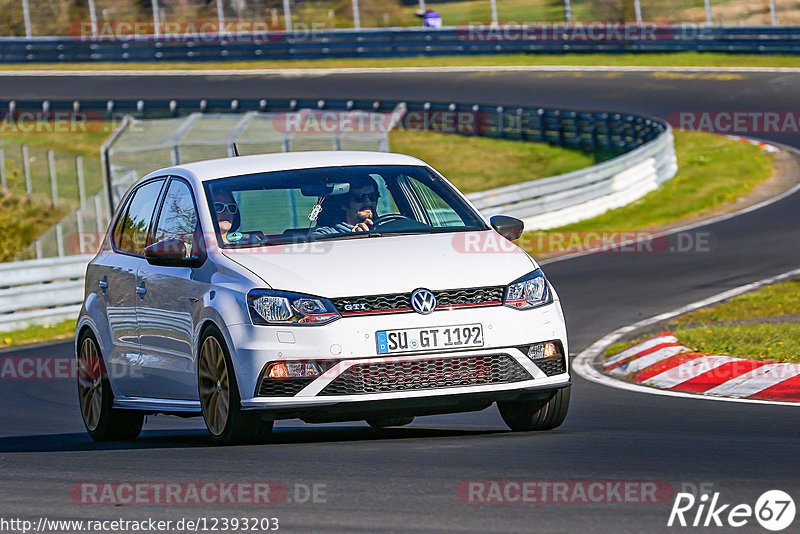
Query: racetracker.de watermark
{"points": [[56, 368], [62, 122], [633, 242], [198, 493], [599, 31], [564, 491], [737, 122]]}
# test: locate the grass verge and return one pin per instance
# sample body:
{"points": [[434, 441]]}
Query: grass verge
{"points": [[477, 164], [677, 59], [712, 171], [762, 341], [39, 334], [22, 222]]}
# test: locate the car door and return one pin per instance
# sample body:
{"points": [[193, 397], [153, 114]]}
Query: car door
{"points": [[170, 300], [116, 275]]}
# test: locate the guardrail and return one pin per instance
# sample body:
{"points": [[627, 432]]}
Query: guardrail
{"points": [[36, 291], [568, 198], [638, 152], [600, 37]]}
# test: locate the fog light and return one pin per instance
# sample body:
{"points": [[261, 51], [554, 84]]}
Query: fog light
{"points": [[542, 350], [293, 370]]}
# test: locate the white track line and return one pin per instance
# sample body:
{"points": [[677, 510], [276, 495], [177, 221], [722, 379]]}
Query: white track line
{"points": [[756, 380], [294, 72], [687, 371], [639, 348], [583, 362], [648, 359]]}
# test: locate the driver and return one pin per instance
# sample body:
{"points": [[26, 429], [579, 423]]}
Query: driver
{"points": [[228, 216], [352, 212]]}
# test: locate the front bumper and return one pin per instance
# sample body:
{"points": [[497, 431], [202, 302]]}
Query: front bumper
{"points": [[350, 342]]}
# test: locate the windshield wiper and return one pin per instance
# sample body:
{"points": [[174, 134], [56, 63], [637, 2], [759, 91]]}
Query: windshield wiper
{"points": [[348, 235]]}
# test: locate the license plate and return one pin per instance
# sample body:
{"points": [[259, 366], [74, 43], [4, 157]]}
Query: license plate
{"points": [[418, 339]]}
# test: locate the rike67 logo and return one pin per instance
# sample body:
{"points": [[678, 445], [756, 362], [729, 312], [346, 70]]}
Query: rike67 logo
{"points": [[774, 510]]}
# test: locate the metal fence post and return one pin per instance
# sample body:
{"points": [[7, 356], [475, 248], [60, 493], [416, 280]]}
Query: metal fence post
{"points": [[287, 15], [79, 221], [98, 213], [51, 160], [220, 16], [156, 19], [26, 14], [3, 177], [773, 17], [60, 240], [81, 184], [37, 245], [637, 7], [26, 166], [567, 12], [105, 161], [493, 4], [708, 12], [356, 16], [93, 18]]}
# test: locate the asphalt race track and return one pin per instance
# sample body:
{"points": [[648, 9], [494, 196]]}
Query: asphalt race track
{"points": [[406, 479]]}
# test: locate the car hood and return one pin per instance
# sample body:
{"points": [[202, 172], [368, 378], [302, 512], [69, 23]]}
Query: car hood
{"points": [[388, 264]]}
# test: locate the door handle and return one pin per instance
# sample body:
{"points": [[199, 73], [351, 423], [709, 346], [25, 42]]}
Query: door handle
{"points": [[141, 290]]}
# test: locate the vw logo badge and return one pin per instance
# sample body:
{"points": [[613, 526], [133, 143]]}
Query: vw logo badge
{"points": [[423, 301]]}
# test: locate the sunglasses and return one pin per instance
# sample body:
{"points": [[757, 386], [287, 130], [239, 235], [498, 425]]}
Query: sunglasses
{"points": [[361, 197], [220, 207]]}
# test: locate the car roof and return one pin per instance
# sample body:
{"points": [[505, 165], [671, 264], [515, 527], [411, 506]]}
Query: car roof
{"points": [[236, 166]]}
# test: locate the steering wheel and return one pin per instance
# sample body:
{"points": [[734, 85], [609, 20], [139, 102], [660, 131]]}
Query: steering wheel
{"points": [[390, 217]]}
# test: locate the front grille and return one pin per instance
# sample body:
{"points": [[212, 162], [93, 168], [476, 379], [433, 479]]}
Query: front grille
{"points": [[555, 365], [401, 302], [465, 297], [398, 302], [434, 373], [282, 387]]}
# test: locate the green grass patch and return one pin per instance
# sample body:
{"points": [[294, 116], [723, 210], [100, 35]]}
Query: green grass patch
{"points": [[770, 301], [22, 222], [677, 59], [712, 171], [477, 164], [765, 342], [84, 141], [39, 333]]}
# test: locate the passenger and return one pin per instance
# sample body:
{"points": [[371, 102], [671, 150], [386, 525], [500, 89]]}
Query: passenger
{"points": [[351, 212]]}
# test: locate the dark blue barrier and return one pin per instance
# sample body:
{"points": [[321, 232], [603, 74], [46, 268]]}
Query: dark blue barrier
{"points": [[403, 42], [603, 135]]}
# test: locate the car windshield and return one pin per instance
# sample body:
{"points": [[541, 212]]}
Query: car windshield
{"points": [[335, 203]]}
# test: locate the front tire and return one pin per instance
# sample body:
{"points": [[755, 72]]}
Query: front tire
{"points": [[102, 421], [227, 423], [536, 414]]}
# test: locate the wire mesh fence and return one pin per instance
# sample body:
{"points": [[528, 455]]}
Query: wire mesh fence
{"points": [[71, 182], [147, 145]]}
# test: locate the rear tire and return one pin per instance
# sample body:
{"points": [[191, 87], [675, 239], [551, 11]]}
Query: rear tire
{"points": [[225, 420], [102, 421], [536, 414], [384, 422]]}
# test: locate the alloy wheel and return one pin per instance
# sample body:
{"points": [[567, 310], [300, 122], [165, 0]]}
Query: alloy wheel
{"points": [[214, 385]]}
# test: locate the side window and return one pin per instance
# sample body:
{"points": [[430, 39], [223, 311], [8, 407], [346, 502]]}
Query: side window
{"points": [[178, 218], [131, 236], [439, 212]]}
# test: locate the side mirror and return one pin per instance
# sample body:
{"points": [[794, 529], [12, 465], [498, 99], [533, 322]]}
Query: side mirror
{"points": [[171, 253], [509, 227]]}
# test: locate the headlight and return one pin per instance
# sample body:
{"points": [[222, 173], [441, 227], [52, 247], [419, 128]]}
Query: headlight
{"points": [[281, 307], [528, 292]]}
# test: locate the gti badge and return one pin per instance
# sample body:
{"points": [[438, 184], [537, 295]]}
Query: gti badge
{"points": [[423, 301]]}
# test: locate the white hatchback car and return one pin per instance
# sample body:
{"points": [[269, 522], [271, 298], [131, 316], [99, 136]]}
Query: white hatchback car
{"points": [[325, 286]]}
